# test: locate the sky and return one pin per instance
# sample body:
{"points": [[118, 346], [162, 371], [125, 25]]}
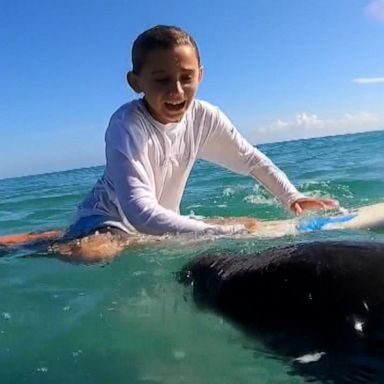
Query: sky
{"points": [[280, 70]]}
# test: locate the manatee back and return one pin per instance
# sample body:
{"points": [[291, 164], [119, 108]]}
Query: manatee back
{"points": [[306, 283]]}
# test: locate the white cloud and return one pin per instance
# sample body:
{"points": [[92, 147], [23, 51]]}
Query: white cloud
{"points": [[305, 125], [375, 9], [368, 80]]}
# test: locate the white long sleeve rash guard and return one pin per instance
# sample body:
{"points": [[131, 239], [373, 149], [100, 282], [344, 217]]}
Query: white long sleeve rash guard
{"points": [[148, 164]]}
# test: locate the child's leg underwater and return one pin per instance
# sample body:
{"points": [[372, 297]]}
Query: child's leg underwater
{"points": [[99, 245]]}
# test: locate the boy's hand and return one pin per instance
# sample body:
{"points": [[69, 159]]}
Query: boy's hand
{"points": [[249, 223], [308, 203]]}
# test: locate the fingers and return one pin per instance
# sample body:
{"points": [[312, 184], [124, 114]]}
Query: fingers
{"points": [[323, 205], [297, 208], [327, 203], [331, 203], [313, 204]]}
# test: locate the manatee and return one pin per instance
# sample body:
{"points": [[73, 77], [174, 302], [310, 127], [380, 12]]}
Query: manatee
{"points": [[324, 298]]}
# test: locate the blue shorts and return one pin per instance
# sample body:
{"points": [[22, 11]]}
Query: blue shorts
{"points": [[88, 225]]}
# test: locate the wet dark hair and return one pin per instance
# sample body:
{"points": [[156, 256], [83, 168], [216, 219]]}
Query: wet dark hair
{"points": [[159, 37]]}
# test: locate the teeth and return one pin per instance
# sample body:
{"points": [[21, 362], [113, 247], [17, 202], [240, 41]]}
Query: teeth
{"points": [[174, 102]]}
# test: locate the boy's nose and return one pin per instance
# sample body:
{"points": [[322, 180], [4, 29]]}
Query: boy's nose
{"points": [[176, 88]]}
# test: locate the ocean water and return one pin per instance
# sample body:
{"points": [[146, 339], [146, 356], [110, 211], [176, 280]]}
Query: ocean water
{"points": [[130, 321]]}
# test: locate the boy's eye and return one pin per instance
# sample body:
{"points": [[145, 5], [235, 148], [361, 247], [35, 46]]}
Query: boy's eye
{"points": [[183, 79], [161, 80], [186, 78]]}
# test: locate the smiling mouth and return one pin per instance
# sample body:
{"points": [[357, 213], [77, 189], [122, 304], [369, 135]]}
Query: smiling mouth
{"points": [[175, 106]]}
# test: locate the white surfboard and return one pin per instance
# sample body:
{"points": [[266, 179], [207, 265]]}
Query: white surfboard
{"points": [[367, 217]]}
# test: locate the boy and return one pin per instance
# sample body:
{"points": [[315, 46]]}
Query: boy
{"points": [[152, 144]]}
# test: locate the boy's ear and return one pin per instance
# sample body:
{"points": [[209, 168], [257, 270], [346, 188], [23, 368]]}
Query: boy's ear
{"points": [[133, 81], [201, 73]]}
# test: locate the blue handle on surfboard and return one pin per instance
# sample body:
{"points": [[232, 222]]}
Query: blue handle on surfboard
{"points": [[319, 222]]}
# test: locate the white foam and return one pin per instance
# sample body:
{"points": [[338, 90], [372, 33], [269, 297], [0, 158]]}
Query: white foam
{"points": [[310, 357]]}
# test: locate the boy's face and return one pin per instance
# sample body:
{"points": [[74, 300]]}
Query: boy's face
{"points": [[169, 79]]}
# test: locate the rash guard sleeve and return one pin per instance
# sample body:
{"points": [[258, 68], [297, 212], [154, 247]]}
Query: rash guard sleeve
{"points": [[139, 204], [225, 146]]}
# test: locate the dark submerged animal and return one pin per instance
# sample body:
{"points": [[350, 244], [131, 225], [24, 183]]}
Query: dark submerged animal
{"points": [[304, 298]]}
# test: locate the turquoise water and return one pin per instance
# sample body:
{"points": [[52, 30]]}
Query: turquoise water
{"points": [[129, 321]]}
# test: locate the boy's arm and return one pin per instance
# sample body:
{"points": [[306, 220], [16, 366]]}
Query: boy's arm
{"points": [[139, 203], [225, 146]]}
